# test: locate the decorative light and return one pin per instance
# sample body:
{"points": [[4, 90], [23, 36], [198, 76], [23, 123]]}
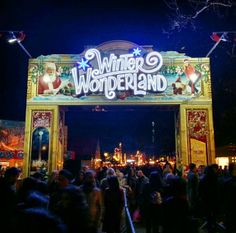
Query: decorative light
{"points": [[83, 64], [44, 148], [39, 163], [137, 52], [16, 37], [12, 40], [40, 144]]}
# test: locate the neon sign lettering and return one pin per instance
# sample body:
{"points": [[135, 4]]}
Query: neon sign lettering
{"points": [[120, 73]]}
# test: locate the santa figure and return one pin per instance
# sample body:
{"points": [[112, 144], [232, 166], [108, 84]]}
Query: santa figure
{"points": [[50, 82], [178, 86], [192, 75]]}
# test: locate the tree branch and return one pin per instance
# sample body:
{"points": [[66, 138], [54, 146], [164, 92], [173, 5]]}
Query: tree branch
{"points": [[209, 5]]}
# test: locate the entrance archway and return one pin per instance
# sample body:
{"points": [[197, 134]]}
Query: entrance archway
{"points": [[145, 130], [120, 73]]}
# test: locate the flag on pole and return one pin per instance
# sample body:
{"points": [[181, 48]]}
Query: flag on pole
{"points": [[216, 37]]}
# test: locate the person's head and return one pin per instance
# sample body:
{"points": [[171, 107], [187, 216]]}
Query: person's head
{"points": [[155, 180], [110, 172], [192, 167], [210, 171], [131, 172], [81, 175], [64, 178], [140, 173], [72, 197], [89, 177], [201, 169], [38, 175], [168, 166], [113, 183], [53, 176], [11, 175], [50, 68], [50, 73], [28, 184], [215, 167]]}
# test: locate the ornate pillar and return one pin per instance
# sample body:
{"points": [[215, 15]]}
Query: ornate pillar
{"points": [[197, 135], [42, 133]]}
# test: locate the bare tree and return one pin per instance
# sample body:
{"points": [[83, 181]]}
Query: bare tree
{"points": [[182, 18]]}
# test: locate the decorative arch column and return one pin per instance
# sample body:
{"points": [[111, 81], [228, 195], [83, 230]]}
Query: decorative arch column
{"points": [[44, 142], [196, 135]]}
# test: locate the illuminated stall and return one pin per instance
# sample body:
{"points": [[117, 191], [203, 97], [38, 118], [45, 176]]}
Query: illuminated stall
{"points": [[226, 155], [117, 73], [11, 143]]}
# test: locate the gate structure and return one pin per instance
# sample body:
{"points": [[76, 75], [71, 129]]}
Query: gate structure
{"points": [[117, 73]]}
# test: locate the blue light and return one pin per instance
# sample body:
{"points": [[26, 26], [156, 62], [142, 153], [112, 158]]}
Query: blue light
{"points": [[137, 52], [83, 64]]}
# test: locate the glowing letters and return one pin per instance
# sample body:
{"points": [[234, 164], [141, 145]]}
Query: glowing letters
{"points": [[120, 73]]}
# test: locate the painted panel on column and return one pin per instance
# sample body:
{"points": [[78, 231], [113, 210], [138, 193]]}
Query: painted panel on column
{"points": [[198, 136], [198, 152], [39, 150], [41, 124], [42, 118]]}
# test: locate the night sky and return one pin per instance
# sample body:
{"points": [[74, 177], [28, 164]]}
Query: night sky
{"points": [[131, 125], [57, 27]]}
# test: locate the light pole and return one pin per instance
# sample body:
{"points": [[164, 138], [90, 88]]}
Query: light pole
{"points": [[40, 145]]}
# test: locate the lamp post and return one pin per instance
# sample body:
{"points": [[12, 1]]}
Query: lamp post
{"points": [[153, 132], [40, 145]]}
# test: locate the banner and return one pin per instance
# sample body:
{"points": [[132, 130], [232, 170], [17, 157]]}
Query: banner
{"points": [[11, 154], [198, 152]]}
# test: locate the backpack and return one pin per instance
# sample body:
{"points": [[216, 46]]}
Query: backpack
{"points": [[156, 198]]}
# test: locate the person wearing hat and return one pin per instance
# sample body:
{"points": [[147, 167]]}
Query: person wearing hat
{"points": [[63, 181], [64, 178], [192, 75], [50, 82]]}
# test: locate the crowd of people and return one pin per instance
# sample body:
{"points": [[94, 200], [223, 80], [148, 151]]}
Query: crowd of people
{"points": [[160, 198]]}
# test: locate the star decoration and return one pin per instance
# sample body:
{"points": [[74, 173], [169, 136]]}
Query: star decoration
{"points": [[83, 64], [137, 52]]}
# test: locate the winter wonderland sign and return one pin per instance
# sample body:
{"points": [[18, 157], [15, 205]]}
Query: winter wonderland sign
{"points": [[119, 73]]}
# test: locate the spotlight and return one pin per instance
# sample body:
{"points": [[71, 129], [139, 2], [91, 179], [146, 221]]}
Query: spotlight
{"points": [[12, 40], [20, 37], [16, 37]]}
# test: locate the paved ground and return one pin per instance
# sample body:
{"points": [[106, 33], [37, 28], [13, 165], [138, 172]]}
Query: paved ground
{"points": [[141, 229]]}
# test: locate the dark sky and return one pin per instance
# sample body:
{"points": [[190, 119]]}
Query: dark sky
{"points": [[131, 125], [57, 27]]}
